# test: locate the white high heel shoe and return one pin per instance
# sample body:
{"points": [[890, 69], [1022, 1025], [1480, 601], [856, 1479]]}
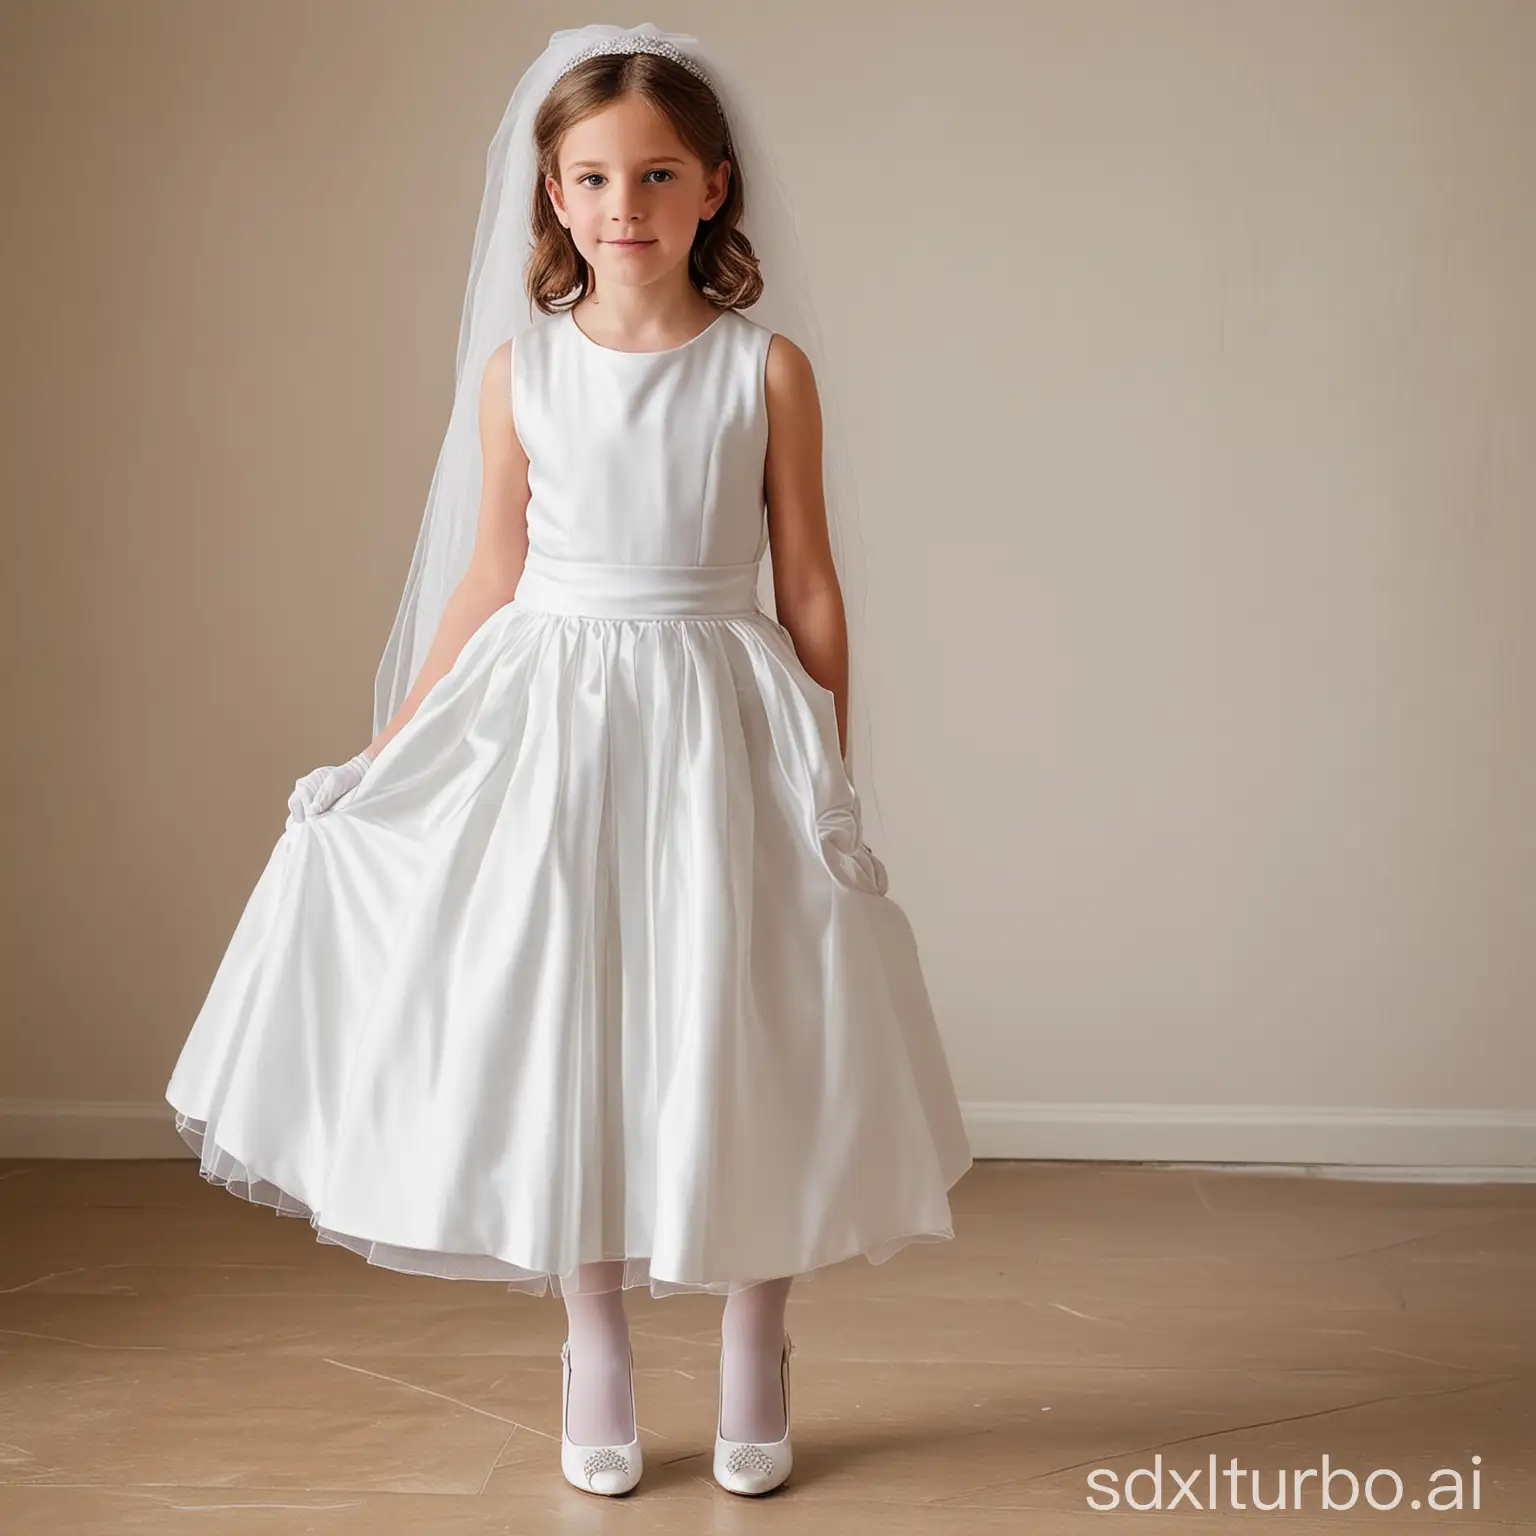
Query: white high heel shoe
{"points": [[744, 1466], [597, 1468]]}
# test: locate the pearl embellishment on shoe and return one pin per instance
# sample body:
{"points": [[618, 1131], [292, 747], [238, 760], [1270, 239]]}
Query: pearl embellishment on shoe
{"points": [[750, 1458], [605, 1459]]}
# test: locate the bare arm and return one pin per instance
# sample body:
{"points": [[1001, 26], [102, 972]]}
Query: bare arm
{"points": [[805, 588], [501, 539]]}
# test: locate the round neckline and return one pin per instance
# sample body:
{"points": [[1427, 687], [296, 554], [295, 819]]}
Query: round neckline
{"points": [[659, 352]]}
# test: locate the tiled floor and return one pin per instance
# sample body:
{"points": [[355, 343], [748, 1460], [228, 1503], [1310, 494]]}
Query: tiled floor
{"points": [[175, 1360]]}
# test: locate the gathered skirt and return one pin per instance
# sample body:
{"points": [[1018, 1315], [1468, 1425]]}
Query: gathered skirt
{"points": [[594, 965]]}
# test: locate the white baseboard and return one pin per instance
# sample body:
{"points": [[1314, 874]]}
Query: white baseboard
{"points": [[1497, 1144], [1454, 1145]]}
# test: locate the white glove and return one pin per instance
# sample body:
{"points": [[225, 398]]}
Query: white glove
{"points": [[319, 790]]}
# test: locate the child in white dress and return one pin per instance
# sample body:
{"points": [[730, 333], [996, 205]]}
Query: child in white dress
{"points": [[582, 976]]}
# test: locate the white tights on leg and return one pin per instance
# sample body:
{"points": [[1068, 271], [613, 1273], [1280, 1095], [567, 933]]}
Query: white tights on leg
{"points": [[598, 1329], [751, 1341]]}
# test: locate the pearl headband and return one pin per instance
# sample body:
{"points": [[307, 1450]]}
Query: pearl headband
{"points": [[639, 44]]}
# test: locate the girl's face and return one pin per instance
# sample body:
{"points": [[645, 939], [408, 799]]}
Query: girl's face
{"points": [[631, 192]]}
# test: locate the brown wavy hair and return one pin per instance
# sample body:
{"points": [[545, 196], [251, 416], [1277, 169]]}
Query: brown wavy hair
{"points": [[722, 265]]}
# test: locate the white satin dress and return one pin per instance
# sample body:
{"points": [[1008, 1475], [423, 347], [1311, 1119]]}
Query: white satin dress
{"points": [[595, 963]]}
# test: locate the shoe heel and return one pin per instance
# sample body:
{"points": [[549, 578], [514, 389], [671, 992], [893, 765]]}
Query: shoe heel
{"points": [[605, 1469], [750, 1467]]}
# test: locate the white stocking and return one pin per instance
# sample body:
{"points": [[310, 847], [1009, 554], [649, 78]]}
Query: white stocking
{"points": [[598, 1330], [751, 1340]]}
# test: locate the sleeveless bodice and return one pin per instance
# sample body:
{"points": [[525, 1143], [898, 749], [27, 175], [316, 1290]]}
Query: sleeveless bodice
{"points": [[643, 458]]}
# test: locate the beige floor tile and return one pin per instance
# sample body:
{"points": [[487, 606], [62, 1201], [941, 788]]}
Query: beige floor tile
{"points": [[172, 1358], [110, 1417], [788, 1512]]}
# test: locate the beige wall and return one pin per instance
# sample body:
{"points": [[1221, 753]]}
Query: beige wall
{"points": [[1188, 354]]}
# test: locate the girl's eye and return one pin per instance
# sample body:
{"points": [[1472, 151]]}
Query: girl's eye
{"points": [[582, 180]]}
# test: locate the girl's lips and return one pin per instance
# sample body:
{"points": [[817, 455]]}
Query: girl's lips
{"points": [[629, 245]]}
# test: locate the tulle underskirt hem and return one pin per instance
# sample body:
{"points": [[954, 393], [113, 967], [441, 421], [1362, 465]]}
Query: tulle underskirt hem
{"points": [[220, 1167]]}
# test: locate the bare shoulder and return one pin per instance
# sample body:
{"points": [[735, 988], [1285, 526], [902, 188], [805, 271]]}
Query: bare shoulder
{"points": [[788, 377], [496, 404], [787, 360], [498, 366]]}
